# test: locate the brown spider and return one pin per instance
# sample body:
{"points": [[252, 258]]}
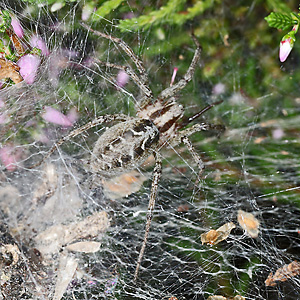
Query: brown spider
{"points": [[125, 145]]}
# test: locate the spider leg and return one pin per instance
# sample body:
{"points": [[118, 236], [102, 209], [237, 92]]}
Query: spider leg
{"points": [[75, 132], [143, 87], [178, 138], [155, 180], [144, 81], [194, 154], [182, 137], [171, 91], [198, 114]]}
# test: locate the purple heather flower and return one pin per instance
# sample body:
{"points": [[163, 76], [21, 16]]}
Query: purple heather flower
{"points": [[28, 67], [87, 10], [219, 89], [122, 79], [128, 15], [277, 133], [72, 115], [3, 118], [39, 43], [54, 116], [17, 27], [9, 156]]}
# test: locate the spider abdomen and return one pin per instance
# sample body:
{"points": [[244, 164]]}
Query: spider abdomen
{"points": [[124, 146]]}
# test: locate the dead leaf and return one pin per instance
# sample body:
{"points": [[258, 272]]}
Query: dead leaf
{"points": [[85, 247], [259, 140], [218, 297], [249, 223], [123, 185], [283, 273], [66, 271], [183, 208], [10, 70], [213, 237], [16, 41], [225, 40], [52, 239]]}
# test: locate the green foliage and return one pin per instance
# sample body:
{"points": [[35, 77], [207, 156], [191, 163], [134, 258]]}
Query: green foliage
{"points": [[284, 21], [278, 6], [168, 14], [40, 1], [281, 21], [106, 8], [5, 20]]}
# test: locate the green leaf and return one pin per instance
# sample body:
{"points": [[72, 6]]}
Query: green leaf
{"points": [[106, 8], [164, 14], [280, 21], [5, 20], [169, 14]]}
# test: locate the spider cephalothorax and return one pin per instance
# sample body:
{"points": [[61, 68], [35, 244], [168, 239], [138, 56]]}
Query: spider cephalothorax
{"points": [[158, 122], [164, 116]]}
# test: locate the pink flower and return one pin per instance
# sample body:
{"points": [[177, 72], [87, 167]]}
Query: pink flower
{"points": [[39, 43], [4, 118], [28, 67], [88, 62], [57, 6], [9, 157], [277, 133], [173, 76], [72, 115], [122, 79], [60, 60], [54, 116], [286, 46], [87, 10], [17, 27], [219, 89], [128, 15]]}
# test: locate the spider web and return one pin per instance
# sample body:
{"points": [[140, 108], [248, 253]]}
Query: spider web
{"points": [[252, 166]]}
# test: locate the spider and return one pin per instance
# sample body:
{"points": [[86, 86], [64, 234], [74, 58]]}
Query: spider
{"points": [[158, 122]]}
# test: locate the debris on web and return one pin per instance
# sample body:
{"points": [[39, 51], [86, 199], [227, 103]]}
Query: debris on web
{"points": [[249, 223], [214, 237], [284, 273]]}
